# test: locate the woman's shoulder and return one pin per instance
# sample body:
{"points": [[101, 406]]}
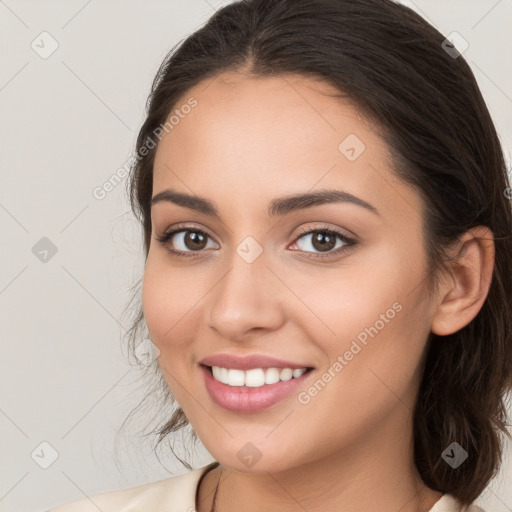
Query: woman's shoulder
{"points": [[172, 494], [178, 493], [448, 503]]}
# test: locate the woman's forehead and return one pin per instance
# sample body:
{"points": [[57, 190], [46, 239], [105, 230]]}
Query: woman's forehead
{"points": [[295, 143], [256, 125]]}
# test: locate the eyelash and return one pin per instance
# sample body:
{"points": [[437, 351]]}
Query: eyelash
{"points": [[349, 242]]}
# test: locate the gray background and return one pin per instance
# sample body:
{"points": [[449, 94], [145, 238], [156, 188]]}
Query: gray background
{"points": [[68, 122]]}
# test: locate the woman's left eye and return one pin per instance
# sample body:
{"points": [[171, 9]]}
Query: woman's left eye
{"points": [[327, 241]]}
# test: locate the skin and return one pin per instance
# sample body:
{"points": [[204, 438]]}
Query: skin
{"points": [[247, 142]]}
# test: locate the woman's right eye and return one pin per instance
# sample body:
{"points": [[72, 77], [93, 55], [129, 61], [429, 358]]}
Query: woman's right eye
{"points": [[185, 241]]}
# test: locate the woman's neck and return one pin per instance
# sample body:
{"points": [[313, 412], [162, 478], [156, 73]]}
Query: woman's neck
{"points": [[251, 492]]}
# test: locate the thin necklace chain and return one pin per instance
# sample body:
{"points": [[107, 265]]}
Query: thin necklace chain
{"points": [[215, 494], [212, 509]]}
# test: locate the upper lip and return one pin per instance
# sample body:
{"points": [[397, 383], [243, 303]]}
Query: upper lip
{"points": [[248, 362]]}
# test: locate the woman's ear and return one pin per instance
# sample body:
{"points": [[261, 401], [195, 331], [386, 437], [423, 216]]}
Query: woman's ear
{"points": [[465, 288]]}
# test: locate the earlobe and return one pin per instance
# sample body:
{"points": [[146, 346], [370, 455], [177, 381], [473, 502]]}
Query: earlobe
{"points": [[465, 289]]}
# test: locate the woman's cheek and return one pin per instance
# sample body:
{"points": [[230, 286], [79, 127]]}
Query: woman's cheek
{"points": [[161, 311], [155, 304]]}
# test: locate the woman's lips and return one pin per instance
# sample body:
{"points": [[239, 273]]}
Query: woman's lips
{"points": [[249, 399], [248, 361]]}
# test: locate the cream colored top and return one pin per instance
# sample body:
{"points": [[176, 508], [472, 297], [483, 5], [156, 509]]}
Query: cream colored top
{"points": [[178, 494]]}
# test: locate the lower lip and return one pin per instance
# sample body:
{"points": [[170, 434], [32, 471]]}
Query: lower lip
{"points": [[248, 399]]}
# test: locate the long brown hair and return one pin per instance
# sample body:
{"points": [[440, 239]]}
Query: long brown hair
{"points": [[396, 68]]}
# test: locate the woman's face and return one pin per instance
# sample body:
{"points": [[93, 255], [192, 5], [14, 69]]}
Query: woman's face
{"points": [[262, 277]]}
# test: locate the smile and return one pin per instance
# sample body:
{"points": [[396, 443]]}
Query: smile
{"points": [[255, 394], [255, 377]]}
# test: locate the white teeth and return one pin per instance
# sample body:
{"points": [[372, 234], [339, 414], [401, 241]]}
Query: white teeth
{"points": [[286, 374], [298, 372], [256, 377], [271, 376], [236, 377]]}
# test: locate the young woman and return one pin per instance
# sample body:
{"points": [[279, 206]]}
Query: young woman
{"points": [[327, 231]]}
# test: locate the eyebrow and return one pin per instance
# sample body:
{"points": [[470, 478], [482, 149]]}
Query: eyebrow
{"points": [[278, 206]]}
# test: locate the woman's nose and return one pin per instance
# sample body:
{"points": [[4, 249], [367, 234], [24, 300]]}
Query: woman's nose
{"points": [[248, 297]]}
